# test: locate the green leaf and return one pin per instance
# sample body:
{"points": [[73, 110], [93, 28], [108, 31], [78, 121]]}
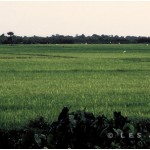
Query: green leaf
{"points": [[129, 128], [37, 139]]}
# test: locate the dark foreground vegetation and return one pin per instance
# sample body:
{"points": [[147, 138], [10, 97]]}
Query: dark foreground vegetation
{"points": [[10, 38], [79, 129]]}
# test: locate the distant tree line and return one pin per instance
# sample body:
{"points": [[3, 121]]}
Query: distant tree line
{"points": [[10, 38]]}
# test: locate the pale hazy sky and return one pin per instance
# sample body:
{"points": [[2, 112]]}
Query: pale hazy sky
{"points": [[75, 17]]}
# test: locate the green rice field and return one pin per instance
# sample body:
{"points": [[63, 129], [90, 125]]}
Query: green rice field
{"points": [[38, 80]]}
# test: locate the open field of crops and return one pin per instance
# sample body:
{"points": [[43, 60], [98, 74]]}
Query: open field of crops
{"points": [[38, 80]]}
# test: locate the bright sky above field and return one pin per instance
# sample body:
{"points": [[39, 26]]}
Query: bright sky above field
{"points": [[75, 17]]}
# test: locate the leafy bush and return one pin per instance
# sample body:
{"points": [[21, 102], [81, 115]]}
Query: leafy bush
{"points": [[79, 129]]}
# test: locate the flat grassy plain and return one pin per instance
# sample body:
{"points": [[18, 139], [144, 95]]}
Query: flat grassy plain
{"points": [[38, 80]]}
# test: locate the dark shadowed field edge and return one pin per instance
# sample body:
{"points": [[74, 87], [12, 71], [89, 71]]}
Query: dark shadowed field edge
{"points": [[79, 129]]}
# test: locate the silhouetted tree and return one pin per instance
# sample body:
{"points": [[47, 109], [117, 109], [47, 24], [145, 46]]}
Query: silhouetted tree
{"points": [[10, 39], [3, 39], [78, 39]]}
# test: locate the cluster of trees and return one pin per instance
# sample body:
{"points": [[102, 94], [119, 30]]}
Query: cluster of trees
{"points": [[10, 38]]}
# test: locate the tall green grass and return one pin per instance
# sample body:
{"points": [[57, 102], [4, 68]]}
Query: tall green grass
{"points": [[38, 80]]}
